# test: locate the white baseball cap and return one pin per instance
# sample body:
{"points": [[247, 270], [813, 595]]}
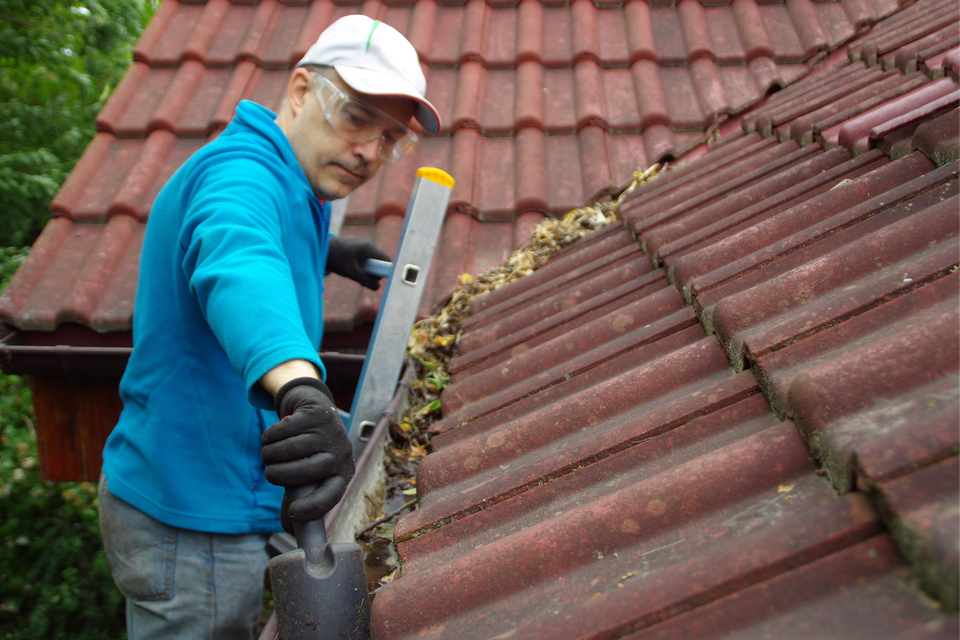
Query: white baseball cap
{"points": [[373, 58]]}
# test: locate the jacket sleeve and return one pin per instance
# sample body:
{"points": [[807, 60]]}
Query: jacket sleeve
{"points": [[234, 262]]}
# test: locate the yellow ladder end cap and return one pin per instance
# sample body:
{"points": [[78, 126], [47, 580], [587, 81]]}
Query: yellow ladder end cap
{"points": [[436, 175]]}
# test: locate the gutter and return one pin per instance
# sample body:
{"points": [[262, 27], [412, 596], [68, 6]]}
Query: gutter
{"points": [[76, 362], [61, 360]]}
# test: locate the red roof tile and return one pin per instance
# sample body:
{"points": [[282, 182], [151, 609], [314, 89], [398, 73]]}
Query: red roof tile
{"points": [[640, 458], [921, 510], [545, 106], [865, 594], [59, 283]]}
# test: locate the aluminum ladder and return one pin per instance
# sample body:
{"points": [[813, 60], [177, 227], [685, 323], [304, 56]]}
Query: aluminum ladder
{"points": [[406, 278]]}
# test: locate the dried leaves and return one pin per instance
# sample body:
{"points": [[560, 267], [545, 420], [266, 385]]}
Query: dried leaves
{"points": [[433, 343], [434, 339]]}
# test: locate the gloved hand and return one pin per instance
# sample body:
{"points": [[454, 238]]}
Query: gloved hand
{"points": [[309, 446], [347, 255]]}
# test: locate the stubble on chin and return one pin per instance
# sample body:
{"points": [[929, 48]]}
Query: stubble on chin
{"points": [[331, 186]]}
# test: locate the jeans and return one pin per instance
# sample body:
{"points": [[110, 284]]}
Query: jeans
{"points": [[179, 583]]}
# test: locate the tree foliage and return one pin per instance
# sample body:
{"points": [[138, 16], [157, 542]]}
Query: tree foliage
{"points": [[59, 61], [55, 582]]}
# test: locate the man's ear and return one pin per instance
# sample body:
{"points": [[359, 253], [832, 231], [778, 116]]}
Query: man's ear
{"points": [[300, 83]]}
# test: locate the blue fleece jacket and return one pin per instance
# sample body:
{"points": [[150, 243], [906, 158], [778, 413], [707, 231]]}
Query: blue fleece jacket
{"points": [[230, 286]]}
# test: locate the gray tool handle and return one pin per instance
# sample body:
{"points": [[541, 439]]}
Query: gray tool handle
{"points": [[311, 536], [379, 268]]}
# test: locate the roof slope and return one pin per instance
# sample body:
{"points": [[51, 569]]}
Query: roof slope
{"points": [[545, 104], [626, 446]]}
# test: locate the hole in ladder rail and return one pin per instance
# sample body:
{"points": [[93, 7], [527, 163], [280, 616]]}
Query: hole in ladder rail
{"points": [[410, 274], [366, 430]]}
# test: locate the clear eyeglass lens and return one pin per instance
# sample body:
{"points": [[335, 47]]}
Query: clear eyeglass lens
{"points": [[360, 123], [352, 120]]}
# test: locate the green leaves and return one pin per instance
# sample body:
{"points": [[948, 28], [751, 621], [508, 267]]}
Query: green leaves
{"points": [[430, 408], [55, 582], [437, 377], [10, 259], [58, 63]]}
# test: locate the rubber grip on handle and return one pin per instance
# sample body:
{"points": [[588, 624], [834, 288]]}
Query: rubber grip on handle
{"points": [[311, 536]]}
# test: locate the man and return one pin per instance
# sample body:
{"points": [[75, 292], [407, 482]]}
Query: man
{"points": [[228, 323]]}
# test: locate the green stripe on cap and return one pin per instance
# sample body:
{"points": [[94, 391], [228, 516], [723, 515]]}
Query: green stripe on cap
{"points": [[376, 23]]}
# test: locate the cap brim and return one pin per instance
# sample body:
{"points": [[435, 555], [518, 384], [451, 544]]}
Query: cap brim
{"points": [[376, 83]]}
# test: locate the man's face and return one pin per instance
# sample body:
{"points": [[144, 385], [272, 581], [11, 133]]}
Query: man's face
{"points": [[333, 165]]}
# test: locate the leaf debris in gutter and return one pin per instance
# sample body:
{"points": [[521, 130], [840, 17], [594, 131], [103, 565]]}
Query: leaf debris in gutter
{"points": [[433, 343]]}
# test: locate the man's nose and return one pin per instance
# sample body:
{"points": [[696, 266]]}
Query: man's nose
{"points": [[368, 150]]}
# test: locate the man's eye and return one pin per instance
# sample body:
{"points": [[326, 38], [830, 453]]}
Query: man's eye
{"points": [[354, 119]]}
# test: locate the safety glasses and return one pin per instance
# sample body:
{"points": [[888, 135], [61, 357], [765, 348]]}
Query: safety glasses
{"points": [[360, 123]]}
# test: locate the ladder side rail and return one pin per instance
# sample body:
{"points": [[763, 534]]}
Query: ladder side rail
{"points": [[398, 308]]}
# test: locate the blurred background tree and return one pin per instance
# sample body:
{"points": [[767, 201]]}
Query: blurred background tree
{"points": [[59, 62]]}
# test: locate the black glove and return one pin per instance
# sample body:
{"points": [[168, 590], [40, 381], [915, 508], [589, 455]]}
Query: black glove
{"points": [[309, 446], [347, 255]]}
